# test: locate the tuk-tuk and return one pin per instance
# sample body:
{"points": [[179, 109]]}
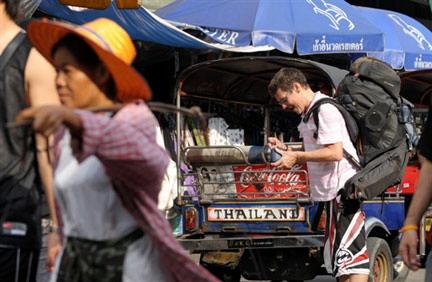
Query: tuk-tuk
{"points": [[243, 216]]}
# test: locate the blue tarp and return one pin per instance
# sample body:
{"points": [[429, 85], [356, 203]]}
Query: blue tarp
{"points": [[408, 44], [140, 24], [314, 26]]}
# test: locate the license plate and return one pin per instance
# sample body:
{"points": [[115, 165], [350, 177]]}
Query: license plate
{"points": [[255, 214], [247, 243], [222, 258]]}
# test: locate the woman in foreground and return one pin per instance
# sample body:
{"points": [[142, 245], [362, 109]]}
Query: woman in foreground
{"points": [[108, 166]]}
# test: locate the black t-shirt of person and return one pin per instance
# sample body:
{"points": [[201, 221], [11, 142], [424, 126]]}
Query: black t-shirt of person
{"points": [[425, 145]]}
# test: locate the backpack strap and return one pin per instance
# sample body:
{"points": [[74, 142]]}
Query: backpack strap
{"points": [[351, 125], [10, 49], [315, 111]]}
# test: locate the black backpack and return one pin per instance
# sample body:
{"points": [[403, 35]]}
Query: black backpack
{"points": [[380, 125]]}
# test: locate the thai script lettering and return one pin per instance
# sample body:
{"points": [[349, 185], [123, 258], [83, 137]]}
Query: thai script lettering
{"points": [[321, 45], [423, 65], [420, 64]]}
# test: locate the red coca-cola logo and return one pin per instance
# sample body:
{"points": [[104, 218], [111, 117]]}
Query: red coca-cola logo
{"points": [[265, 179]]}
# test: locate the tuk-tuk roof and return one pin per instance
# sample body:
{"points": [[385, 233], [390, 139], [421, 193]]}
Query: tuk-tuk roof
{"points": [[416, 86], [245, 79]]}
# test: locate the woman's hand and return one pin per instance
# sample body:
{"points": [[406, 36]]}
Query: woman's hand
{"points": [[47, 119], [53, 249]]}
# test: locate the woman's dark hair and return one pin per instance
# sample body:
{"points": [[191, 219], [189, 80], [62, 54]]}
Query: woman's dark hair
{"points": [[85, 55], [12, 7]]}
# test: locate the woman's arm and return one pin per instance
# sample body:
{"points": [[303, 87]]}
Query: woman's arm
{"points": [[126, 145], [40, 86]]}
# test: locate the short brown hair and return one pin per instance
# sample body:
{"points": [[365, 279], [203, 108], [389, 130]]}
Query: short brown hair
{"points": [[12, 7], [284, 80]]}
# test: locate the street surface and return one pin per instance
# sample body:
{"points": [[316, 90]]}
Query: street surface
{"points": [[413, 276], [417, 276]]}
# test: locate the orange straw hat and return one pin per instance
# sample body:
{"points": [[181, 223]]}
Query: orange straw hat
{"points": [[111, 43]]}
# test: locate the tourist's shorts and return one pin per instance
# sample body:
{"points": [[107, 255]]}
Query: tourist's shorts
{"points": [[345, 250]]}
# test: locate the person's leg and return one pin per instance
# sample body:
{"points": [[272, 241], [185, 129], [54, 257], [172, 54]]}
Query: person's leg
{"points": [[329, 236], [18, 265], [428, 268], [350, 259]]}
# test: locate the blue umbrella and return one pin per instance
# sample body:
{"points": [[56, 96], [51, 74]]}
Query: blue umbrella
{"points": [[316, 26], [407, 44]]}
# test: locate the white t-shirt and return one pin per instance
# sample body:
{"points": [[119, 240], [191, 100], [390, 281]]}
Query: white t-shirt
{"points": [[326, 178]]}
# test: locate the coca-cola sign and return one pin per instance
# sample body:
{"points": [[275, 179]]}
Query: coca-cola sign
{"points": [[258, 181]]}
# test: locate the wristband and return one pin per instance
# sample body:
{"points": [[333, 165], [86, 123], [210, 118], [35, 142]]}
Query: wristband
{"points": [[52, 229], [409, 227]]}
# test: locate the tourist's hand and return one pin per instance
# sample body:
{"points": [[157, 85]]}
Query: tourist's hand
{"points": [[274, 142], [288, 159]]}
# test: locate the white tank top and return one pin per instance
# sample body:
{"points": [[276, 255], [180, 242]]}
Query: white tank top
{"points": [[91, 210]]}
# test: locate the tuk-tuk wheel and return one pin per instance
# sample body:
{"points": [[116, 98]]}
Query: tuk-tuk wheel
{"points": [[380, 260]]}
